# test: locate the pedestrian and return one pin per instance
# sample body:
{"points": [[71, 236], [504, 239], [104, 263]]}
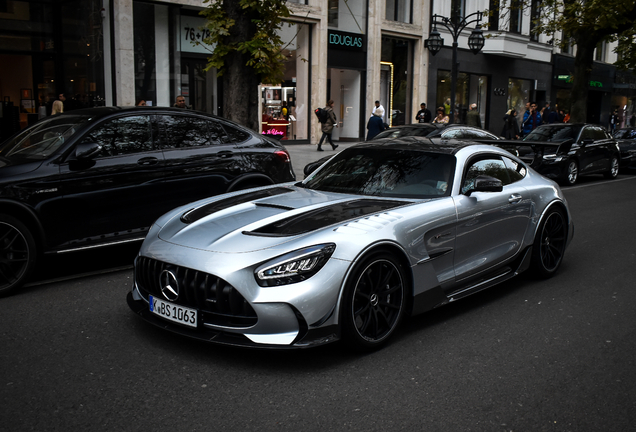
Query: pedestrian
{"points": [[510, 129], [531, 119], [423, 115], [141, 102], [441, 117], [632, 120], [328, 125], [566, 117], [472, 117], [613, 121], [58, 107], [378, 107], [375, 125], [181, 103]]}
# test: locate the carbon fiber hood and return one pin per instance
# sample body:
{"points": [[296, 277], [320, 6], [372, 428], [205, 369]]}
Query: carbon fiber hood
{"points": [[266, 218]]}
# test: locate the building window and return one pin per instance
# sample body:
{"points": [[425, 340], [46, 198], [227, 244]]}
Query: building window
{"points": [[516, 15], [519, 92], [458, 10], [399, 10], [351, 17], [601, 50], [493, 15], [535, 16]]}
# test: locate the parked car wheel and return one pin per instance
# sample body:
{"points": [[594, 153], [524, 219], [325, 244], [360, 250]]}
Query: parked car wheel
{"points": [[17, 254], [374, 301], [572, 173], [549, 244], [614, 167]]}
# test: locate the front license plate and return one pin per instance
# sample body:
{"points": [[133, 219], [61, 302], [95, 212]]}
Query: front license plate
{"points": [[173, 312]]}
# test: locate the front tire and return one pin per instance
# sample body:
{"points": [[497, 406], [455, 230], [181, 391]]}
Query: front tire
{"points": [[614, 167], [571, 173], [549, 244], [374, 301], [17, 254]]}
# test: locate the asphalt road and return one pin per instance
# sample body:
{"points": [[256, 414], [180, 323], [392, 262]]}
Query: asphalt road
{"points": [[528, 355]]}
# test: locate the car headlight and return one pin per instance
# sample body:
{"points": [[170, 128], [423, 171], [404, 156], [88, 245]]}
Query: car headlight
{"points": [[553, 158], [295, 266]]}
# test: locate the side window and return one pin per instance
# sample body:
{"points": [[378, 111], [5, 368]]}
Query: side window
{"points": [[453, 133], [234, 135], [184, 132], [516, 171], [122, 136], [492, 166], [587, 133], [599, 133]]}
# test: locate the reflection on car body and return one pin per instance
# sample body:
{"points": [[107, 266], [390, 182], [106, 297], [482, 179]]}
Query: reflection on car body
{"points": [[383, 230]]}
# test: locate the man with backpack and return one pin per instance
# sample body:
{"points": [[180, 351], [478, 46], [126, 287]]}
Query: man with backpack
{"points": [[328, 121]]}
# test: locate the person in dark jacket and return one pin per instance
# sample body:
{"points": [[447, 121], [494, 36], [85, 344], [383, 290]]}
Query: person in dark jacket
{"points": [[423, 115], [328, 125], [510, 129], [375, 125]]}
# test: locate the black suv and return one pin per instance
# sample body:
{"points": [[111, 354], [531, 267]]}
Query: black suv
{"points": [[101, 176]]}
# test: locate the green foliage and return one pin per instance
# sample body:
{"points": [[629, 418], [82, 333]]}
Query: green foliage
{"points": [[260, 42]]}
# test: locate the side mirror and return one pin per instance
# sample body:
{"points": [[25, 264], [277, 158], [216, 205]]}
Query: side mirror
{"points": [[485, 183], [87, 150]]}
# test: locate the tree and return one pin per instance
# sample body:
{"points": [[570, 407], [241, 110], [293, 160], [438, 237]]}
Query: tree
{"points": [[586, 23], [247, 51]]}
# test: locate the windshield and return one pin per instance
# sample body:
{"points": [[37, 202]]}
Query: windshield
{"points": [[554, 134], [387, 172], [625, 134], [406, 131], [42, 139]]}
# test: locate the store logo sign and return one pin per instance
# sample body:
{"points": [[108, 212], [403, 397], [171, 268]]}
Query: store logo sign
{"points": [[344, 40]]}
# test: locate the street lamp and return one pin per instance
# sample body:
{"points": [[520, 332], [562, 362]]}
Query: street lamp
{"points": [[455, 26]]}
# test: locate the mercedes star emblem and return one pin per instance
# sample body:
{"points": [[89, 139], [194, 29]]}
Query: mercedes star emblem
{"points": [[169, 285]]}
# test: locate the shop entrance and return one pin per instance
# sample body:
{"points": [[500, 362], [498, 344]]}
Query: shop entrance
{"points": [[198, 86], [344, 88]]}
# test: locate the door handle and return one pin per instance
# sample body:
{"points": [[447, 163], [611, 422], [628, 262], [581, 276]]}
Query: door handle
{"points": [[148, 161], [515, 198]]}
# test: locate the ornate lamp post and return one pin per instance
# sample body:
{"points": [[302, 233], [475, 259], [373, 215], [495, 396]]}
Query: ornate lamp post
{"points": [[455, 26]]}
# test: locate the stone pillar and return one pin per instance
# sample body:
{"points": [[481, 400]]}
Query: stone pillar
{"points": [[124, 53]]}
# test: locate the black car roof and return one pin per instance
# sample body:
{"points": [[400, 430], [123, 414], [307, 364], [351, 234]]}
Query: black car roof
{"points": [[420, 144], [99, 112]]}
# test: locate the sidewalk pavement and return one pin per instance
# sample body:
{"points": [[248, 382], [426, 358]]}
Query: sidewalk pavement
{"points": [[302, 154]]}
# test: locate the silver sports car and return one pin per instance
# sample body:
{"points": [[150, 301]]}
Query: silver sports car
{"points": [[379, 232]]}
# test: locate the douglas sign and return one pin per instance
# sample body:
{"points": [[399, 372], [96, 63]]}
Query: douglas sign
{"points": [[344, 40]]}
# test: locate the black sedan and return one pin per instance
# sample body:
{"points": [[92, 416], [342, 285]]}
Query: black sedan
{"points": [[563, 151], [98, 177], [430, 130], [626, 139]]}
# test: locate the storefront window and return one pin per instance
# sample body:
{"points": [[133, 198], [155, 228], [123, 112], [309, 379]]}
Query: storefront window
{"points": [[285, 106], [471, 89], [519, 91], [344, 89]]}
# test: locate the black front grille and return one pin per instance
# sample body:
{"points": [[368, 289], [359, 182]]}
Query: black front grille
{"points": [[219, 302]]}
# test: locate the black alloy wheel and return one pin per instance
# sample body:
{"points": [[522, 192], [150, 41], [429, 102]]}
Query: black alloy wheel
{"points": [[17, 254], [572, 173], [614, 167], [549, 244], [374, 301]]}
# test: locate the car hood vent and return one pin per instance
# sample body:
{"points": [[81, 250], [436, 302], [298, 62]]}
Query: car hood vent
{"points": [[201, 212], [325, 216]]}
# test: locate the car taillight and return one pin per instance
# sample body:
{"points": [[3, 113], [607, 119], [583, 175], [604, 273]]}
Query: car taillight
{"points": [[283, 155]]}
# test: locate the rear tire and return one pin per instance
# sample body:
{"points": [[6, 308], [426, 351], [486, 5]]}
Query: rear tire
{"points": [[614, 167], [374, 301], [549, 244], [17, 254]]}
